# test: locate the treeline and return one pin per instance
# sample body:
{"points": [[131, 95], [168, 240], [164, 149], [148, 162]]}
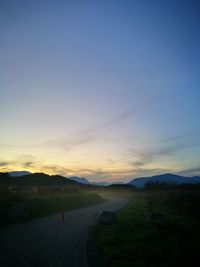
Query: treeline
{"points": [[167, 186]]}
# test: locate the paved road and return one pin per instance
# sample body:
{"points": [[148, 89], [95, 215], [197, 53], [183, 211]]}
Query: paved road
{"points": [[47, 242]]}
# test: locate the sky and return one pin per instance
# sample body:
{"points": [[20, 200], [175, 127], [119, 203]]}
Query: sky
{"points": [[109, 90]]}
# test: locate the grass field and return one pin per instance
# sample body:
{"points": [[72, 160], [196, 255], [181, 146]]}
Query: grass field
{"points": [[40, 204], [138, 240]]}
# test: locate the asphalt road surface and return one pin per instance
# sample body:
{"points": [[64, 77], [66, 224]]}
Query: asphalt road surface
{"points": [[49, 242]]}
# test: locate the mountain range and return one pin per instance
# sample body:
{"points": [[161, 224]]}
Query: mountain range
{"points": [[25, 178], [34, 179], [167, 178], [81, 180], [40, 179]]}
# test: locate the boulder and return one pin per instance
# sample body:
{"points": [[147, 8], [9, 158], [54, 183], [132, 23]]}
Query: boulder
{"points": [[107, 218]]}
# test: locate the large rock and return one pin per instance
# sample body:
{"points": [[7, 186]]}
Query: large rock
{"points": [[18, 212], [107, 218]]}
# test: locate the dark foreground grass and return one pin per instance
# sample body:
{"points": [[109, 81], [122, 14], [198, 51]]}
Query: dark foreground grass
{"points": [[138, 241], [42, 204]]}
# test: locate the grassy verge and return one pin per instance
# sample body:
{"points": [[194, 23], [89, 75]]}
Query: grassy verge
{"points": [[136, 240], [45, 203]]}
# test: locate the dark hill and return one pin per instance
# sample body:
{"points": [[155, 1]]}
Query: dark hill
{"points": [[122, 186], [35, 179]]}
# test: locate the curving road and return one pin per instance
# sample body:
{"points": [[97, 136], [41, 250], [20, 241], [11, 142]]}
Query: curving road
{"points": [[48, 242]]}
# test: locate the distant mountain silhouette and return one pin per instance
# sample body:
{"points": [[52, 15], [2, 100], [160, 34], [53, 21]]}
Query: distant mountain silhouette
{"points": [[35, 179], [81, 180], [24, 178], [18, 173], [104, 183], [84, 180], [164, 178], [121, 186]]}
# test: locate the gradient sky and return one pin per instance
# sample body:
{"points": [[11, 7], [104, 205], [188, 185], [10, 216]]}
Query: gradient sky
{"points": [[109, 90]]}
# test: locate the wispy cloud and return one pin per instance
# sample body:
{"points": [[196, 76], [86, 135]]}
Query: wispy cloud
{"points": [[88, 135], [124, 174], [4, 163], [72, 142], [165, 148], [182, 136], [24, 161], [195, 171], [79, 138], [111, 122], [134, 164], [93, 173]]}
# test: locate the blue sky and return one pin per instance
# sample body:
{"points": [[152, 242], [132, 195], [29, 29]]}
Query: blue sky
{"points": [[105, 89]]}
